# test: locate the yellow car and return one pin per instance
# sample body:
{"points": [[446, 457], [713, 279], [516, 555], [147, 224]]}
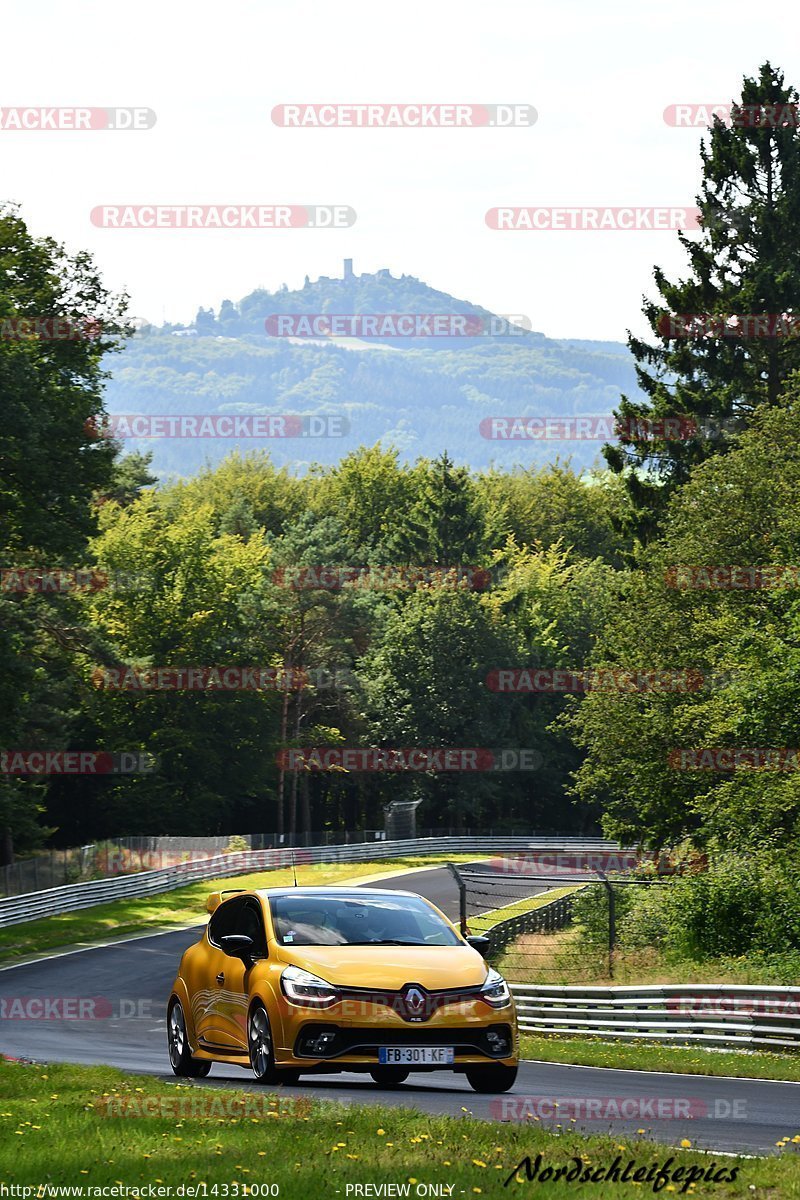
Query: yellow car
{"points": [[306, 980]]}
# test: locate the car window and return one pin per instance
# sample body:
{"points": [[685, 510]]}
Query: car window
{"points": [[224, 919], [351, 921], [250, 921]]}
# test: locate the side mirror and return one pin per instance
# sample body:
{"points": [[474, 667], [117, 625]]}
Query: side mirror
{"points": [[238, 945], [481, 944]]}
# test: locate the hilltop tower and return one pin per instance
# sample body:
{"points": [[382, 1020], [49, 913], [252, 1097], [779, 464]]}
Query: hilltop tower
{"points": [[348, 268]]}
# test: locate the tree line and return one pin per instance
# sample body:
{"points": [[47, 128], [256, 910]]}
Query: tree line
{"points": [[449, 580]]}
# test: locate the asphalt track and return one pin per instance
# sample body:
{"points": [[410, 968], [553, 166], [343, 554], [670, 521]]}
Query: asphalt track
{"points": [[129, 983]]}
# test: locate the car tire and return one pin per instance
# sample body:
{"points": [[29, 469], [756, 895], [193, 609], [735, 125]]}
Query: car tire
{"points": [[389, 1076], [180, 1053], [259, 1046], [497, 1078]]}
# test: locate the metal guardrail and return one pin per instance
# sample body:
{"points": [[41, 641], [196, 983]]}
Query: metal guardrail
{"points": [[547, 917], [739, 1016], [33, 905]]}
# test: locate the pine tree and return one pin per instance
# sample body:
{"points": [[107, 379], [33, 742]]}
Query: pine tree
{"points": [[445, 525], [746, 262]]}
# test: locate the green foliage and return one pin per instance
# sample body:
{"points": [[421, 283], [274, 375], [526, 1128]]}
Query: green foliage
{"points": [[737, 510], [738, 908], [745, 262]]}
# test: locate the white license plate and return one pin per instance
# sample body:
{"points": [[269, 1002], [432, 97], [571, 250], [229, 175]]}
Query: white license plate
{"points": [[409, 1056]]}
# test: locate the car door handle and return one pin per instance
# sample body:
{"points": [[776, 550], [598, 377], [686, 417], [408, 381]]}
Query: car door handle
{"points": [[220, 978]]}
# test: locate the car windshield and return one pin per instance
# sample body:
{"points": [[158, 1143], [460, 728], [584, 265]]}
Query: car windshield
{"points": [[351, 921]]}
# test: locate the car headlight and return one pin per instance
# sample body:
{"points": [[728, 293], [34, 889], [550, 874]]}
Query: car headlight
{"points": [[309, 991], [495, 990]]}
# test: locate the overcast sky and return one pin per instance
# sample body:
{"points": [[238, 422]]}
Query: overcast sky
{"points": [[599, 76]]}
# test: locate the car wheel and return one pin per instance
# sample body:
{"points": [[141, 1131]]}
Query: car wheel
{"points": [[497, 1078], [180, 1054], [389, 1076], [259, 1044]]}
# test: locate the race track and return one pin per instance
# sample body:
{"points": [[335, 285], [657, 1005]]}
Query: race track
{"points": [[129, 983]]}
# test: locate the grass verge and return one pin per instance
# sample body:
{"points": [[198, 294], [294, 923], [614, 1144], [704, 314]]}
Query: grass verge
{"points": [[75, 1126], [649, 1056], [487, 920], [179, 907]]}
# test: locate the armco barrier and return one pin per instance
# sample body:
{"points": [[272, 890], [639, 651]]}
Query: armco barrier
{"points": [[29, 907], [736, 1016], [544, 919]]}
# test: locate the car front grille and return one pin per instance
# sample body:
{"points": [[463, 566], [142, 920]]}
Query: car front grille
{"points": [[368, 1040]]}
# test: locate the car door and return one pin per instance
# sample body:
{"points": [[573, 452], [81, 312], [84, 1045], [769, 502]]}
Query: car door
{"points": [[214, 1004], [234, 996]]}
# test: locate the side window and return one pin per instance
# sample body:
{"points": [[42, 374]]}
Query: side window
{"points": [[225, 919], [251, 922]]}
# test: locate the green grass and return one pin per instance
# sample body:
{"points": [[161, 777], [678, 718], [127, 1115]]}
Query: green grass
{"points": [[179, 907], [649, 1056], [516, 909], [55, 1128]]}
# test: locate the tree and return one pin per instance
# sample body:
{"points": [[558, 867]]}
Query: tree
{"points": [[131, 474], [51, 460], [542, 506], [368, 491], [181, 596], [445, 525], [57, 321], [740, 643], [745, 262], [425, 687]]}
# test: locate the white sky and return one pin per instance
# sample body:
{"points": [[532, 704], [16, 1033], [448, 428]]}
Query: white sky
{"points": [[599, 74]]}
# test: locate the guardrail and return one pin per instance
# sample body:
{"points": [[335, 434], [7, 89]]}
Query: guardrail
{"points": [[544, 919], [738, 1016], [33, 905]]}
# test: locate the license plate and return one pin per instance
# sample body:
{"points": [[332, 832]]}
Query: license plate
{"points": [[409, 1056]]}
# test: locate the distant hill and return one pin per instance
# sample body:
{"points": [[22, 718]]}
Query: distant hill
{"points": [[422, 394]]}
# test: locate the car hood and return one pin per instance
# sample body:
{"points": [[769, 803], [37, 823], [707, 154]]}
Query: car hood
{"points": [[389, 968]]}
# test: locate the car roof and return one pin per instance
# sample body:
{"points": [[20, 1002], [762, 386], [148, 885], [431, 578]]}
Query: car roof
{"points": [[336, 892]]}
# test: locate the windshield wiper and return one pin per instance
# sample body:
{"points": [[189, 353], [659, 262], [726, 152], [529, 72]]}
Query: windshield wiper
{"points": [[386, 942]]}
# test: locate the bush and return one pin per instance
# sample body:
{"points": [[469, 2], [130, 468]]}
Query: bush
{"points": [[739, 907]]}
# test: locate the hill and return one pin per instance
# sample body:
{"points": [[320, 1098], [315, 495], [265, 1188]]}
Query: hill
{"points": [[423, 384]]}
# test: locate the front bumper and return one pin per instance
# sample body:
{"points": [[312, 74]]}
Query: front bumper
{"points": [[325, 1042], [348, 1035]]}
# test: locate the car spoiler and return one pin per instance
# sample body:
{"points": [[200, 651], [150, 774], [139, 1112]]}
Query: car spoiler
{"points": [[215, 899]]}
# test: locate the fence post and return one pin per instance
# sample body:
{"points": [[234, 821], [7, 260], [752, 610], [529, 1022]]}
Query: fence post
{"points": [[612, 923], [462, 897]]}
